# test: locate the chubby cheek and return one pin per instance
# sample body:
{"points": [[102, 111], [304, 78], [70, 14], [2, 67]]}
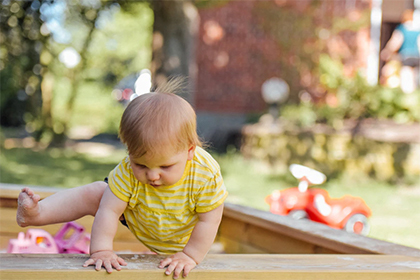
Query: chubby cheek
{"points": [[174, 176], [139, 175], [169, 179]]}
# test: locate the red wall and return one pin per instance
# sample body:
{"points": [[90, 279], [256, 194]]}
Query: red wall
{"points": [[235, 55], [234, 58]]}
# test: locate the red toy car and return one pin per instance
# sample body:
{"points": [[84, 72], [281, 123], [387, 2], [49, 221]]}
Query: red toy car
{"points": [[348, 212]]}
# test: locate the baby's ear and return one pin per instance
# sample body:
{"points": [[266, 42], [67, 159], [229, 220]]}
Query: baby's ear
{"points": [[191, 151]]}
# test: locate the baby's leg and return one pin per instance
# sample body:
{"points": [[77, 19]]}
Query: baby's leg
{"points": [[64, 206]]}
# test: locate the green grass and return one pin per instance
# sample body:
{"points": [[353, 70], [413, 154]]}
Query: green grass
{"points": [[55, 167], [395, 208]]}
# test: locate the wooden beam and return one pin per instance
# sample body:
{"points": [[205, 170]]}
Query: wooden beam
{"points": [[266, 231], [13, 190], [297, 267]]}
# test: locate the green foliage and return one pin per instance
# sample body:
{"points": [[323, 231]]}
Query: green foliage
{"points": [[302, 115], [356, 99], [203, 4], [352, 98], [113, 39], [121, 46], [20, 71]]}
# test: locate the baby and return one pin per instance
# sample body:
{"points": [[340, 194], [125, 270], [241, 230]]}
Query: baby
{"points": [[168, 191]]}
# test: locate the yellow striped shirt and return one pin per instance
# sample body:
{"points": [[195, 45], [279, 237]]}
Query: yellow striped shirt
{"points": [[164, 217]]}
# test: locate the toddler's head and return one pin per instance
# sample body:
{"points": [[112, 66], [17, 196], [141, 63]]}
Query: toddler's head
{"points": [[159, 122]]}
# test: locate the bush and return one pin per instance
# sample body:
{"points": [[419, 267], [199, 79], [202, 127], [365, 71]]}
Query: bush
{"points": [[352, 98]]}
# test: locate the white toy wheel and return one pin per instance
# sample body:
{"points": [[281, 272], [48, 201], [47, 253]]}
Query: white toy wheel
{"points": [[358, 223], [298, 214]]}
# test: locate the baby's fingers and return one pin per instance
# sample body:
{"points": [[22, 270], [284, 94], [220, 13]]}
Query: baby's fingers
{"points": [[121, 261], [116, 265], [171, 268], [98, 265], [178, 271], [165, 262], [187, 269], [88, 262], [107, 265]]}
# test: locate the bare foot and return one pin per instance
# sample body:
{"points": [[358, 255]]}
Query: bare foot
{"points": [[28, 208]]}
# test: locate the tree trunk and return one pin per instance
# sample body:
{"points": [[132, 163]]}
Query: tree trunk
{"points": [[174, 33], [76, 77]]}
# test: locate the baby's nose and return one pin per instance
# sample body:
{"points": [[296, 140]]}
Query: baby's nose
{"points": [[152, 175]]}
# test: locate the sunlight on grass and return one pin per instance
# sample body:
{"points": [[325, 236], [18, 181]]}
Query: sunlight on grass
{"points": [[55, 168], [395, 209]]}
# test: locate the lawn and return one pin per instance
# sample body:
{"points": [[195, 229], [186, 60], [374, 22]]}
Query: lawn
{"points": [[395, 208]]}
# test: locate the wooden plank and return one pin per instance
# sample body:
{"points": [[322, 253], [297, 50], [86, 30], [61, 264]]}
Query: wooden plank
{"points": [[266, 240], [13, 190], [129, 247], [317, 234], [297, 267], [233, 246]]}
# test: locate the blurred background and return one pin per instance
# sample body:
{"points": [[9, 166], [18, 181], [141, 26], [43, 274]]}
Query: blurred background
{"points": [[273, 83]]}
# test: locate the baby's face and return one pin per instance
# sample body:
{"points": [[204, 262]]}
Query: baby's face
{"points": [[161, 170]]}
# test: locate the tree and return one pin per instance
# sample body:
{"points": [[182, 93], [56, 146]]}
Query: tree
{"points": [[21, 70], [87, 16], [34, 36], [174, 33]]}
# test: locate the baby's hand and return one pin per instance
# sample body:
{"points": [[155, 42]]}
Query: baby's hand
{"points": [[107, 259], [178, 263]]}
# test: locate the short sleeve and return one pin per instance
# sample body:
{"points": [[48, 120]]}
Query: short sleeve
{"points": [[212, 194], [119, 181]]}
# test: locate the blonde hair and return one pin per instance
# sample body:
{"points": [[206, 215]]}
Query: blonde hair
{"points": [[159, 122]]}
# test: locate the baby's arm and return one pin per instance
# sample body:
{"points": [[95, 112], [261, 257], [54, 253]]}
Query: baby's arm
{"points": [[103, 232], [202, 237]]}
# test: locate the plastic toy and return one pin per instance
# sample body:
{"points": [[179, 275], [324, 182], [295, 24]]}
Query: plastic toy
{"points": [[77, 243], [348, 212], [36, 241]]}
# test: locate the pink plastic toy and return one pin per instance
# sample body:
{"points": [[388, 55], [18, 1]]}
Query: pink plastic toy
{"points": [[36, 241], [77, 243]]}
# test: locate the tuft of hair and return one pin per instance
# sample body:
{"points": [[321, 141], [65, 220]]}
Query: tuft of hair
{"points": [[159, 122], [175, 85]]}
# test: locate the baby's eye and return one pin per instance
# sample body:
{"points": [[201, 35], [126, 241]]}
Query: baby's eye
{"points": [[140, 165], [166, 166]]}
